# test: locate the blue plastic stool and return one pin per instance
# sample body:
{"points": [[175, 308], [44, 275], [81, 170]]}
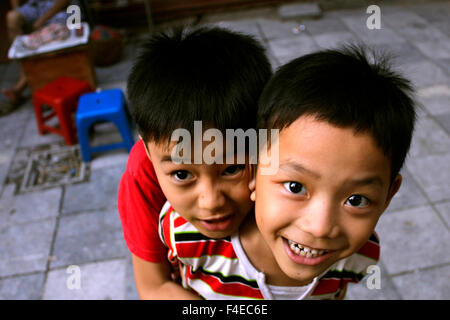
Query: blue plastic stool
{"points": [[108, 105]]}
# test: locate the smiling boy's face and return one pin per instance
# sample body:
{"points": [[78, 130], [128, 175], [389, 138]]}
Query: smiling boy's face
{"points": [[326, 198], [214, 198]]}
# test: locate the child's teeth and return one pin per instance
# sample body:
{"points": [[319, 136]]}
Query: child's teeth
{"points": [[303, 251]]}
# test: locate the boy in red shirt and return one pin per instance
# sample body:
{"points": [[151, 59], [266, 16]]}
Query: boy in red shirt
{"points": [[210, 75]]}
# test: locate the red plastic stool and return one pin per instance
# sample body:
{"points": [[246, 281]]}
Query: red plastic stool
{"points": [[59, 98]]}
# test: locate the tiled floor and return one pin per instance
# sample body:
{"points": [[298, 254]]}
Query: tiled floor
{"points": [[44, 232]]}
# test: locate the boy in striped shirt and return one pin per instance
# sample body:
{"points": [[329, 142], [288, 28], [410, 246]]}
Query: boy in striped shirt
{"points": [[345, 130], [183, 76]]}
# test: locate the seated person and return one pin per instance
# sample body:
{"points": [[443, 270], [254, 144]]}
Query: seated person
{"points": [[31, 16]]}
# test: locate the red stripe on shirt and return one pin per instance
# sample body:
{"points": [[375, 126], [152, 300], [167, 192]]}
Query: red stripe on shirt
{"points": [[166, 233], [231, 289], [371, 250], [178, 221], [326, 286], [205, 248]]}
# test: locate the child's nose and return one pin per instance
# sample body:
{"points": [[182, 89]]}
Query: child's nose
{"points": [[320, 218], [210, 198]]}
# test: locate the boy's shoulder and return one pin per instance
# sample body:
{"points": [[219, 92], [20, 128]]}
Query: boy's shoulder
{"points": [[355, 266], [138, 160], [349, 270]]}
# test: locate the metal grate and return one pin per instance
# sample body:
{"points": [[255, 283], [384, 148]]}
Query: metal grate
{"points": [[53, 167]]}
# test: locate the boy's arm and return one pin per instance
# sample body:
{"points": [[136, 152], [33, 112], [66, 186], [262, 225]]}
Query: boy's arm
{"points": [[154, 281], [140, 200]]}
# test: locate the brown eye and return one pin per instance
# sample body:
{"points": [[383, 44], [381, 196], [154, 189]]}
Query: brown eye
{"points": [[357, 200], [294, 187], [182, 175], [233, 169]]}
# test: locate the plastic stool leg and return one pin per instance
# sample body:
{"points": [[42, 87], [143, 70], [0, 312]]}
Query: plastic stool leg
{"points": [[125, 132], [83, 138], [39, 118], [67, 130]]}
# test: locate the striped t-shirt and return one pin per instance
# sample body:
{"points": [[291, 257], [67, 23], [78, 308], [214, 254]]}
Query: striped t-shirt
{"points": [[220, 269]]}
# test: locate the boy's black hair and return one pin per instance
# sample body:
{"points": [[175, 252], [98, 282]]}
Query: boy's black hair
{"points": [[208, 74], [343, 88]]}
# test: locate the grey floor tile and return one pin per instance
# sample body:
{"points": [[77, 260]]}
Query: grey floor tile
{"points": [[430, 284], [131, 293], [115, 85], [104, 133], [432, 173], [428, 139], [400, 19], [334, 40], [435, 100], [25, 247], [115, 73], [27, 287], [413, 27], [98, 281], [361, 291], [372, 37], [412, 239], [29, 207], [444, 210], [409, 195], [400, 53], [325, 25], [443, 26], [275, 29], [31, 136], [424, 74], [437, 11], [444, 121], [299, 10], [118, 157], [444, 64], [290, 48], [88, 237], [12, 125], [434, 49], [100, 192], [6, 157]]}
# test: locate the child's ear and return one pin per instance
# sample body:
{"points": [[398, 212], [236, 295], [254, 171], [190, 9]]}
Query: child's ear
{"points": [[146, 148], [395, 186], [253, 195], [252, 182], [252, 187]]}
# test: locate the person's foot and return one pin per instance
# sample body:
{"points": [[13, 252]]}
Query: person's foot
{"points": [[13, 96]]}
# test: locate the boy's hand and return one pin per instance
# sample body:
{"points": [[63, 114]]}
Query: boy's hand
{"points": [[154, 282]]}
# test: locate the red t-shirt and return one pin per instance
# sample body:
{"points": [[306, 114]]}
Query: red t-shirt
{"points": [[140, 200]]}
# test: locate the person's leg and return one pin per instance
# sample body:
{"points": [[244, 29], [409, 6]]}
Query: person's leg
{"points": [[15, 22]]}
